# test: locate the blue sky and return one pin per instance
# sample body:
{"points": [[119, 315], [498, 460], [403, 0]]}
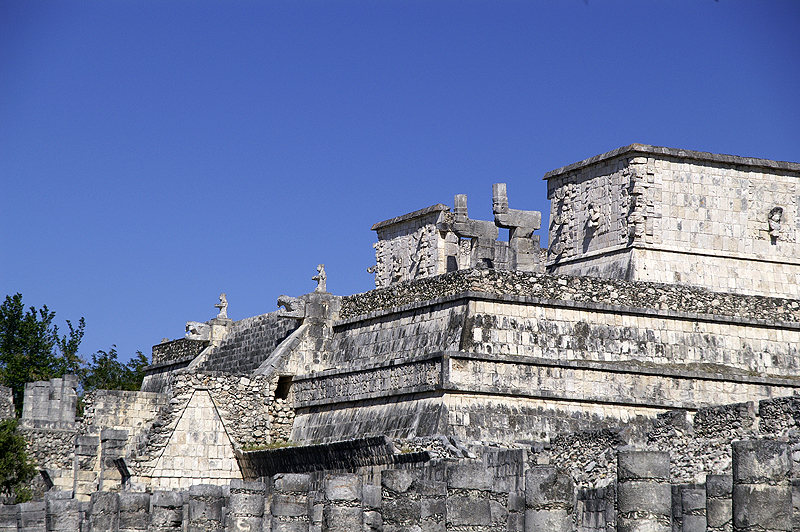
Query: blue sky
{"points": [[156, 154]]}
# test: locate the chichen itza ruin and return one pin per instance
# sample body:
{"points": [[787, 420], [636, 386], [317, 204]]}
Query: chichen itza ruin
{"points": [[640, 374]]}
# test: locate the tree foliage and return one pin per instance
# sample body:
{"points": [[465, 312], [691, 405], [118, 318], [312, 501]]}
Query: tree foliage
{"points": [[16, 471], [105, 372], [31, 348]]}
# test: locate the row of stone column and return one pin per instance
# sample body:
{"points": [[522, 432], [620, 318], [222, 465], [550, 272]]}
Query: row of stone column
{"points": [[445, 496], [756, 498]]}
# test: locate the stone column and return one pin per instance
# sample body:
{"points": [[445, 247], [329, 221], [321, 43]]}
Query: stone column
{"points": [[112, 446], [342, 511], [693, 504], [549, 500], [9, 517], [644, 497], [246, 506], [718, 503], [205, 508], [32, 516], [134, 511], [290, 507], [762, 497], [85, 466], [63, 512], [166, 511], [372, 508], [104, 512], [411, 499]]}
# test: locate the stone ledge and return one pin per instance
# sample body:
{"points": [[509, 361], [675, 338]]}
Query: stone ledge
{"points": [[410, 216], [661, 151], [562, 303], [445, 385], [341, 455]]}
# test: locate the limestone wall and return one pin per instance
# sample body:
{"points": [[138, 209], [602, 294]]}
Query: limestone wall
{"points": [[607, 334], [733, 219], [411, 247], [397, 336]]}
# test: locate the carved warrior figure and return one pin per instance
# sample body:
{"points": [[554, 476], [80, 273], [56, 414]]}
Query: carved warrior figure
{"points": [[594, 217], [775, 222], [222, 306], [320, 278]]}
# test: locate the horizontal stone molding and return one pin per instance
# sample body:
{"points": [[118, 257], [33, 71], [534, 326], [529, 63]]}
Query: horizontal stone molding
{"points": [[340, 386], [790, 319], [660, 151]]}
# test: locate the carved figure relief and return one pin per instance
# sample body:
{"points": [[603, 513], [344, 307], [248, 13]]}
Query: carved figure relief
{"points": [[595, 217], [774, 222]]}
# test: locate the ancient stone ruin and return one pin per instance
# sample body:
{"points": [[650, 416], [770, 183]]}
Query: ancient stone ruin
{"points": [[639, 374]]}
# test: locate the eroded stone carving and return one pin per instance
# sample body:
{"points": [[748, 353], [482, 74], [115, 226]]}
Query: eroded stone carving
{"points": [[222, 306], [523, 243], [595, 217], [774, 222], [320, 278], [293, 307], [196, 330]]}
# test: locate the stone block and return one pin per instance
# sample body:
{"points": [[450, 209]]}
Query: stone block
{"points": [[642, 465], [134, 511], [693, 500], [472, 476], [693, 523], [371, 497], [246, 505], [401, 511], [205, 503], [104, 511], [754, 461], [289, 526], [516, 501], [432, 508], [238, 523], [32, 516], [9, 516], [764, 506], [342, 518], [343, 487], [63, 515], [463, 511], [545, 486], [718, 512], [645, 497], [373, 522], [291, 483], [289, 505], [558, 520], [718, 486], [398, 480], [642, 525]]}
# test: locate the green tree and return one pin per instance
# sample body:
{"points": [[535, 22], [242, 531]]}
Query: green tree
{"points": [[16, 471], [31, 348], [105, 372]]}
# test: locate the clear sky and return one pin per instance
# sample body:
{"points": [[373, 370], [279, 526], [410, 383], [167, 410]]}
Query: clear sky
{"points": [[154, 154]]}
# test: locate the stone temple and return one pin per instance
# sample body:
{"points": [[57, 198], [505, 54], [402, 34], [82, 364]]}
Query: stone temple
{"points": [[640, 374]]}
